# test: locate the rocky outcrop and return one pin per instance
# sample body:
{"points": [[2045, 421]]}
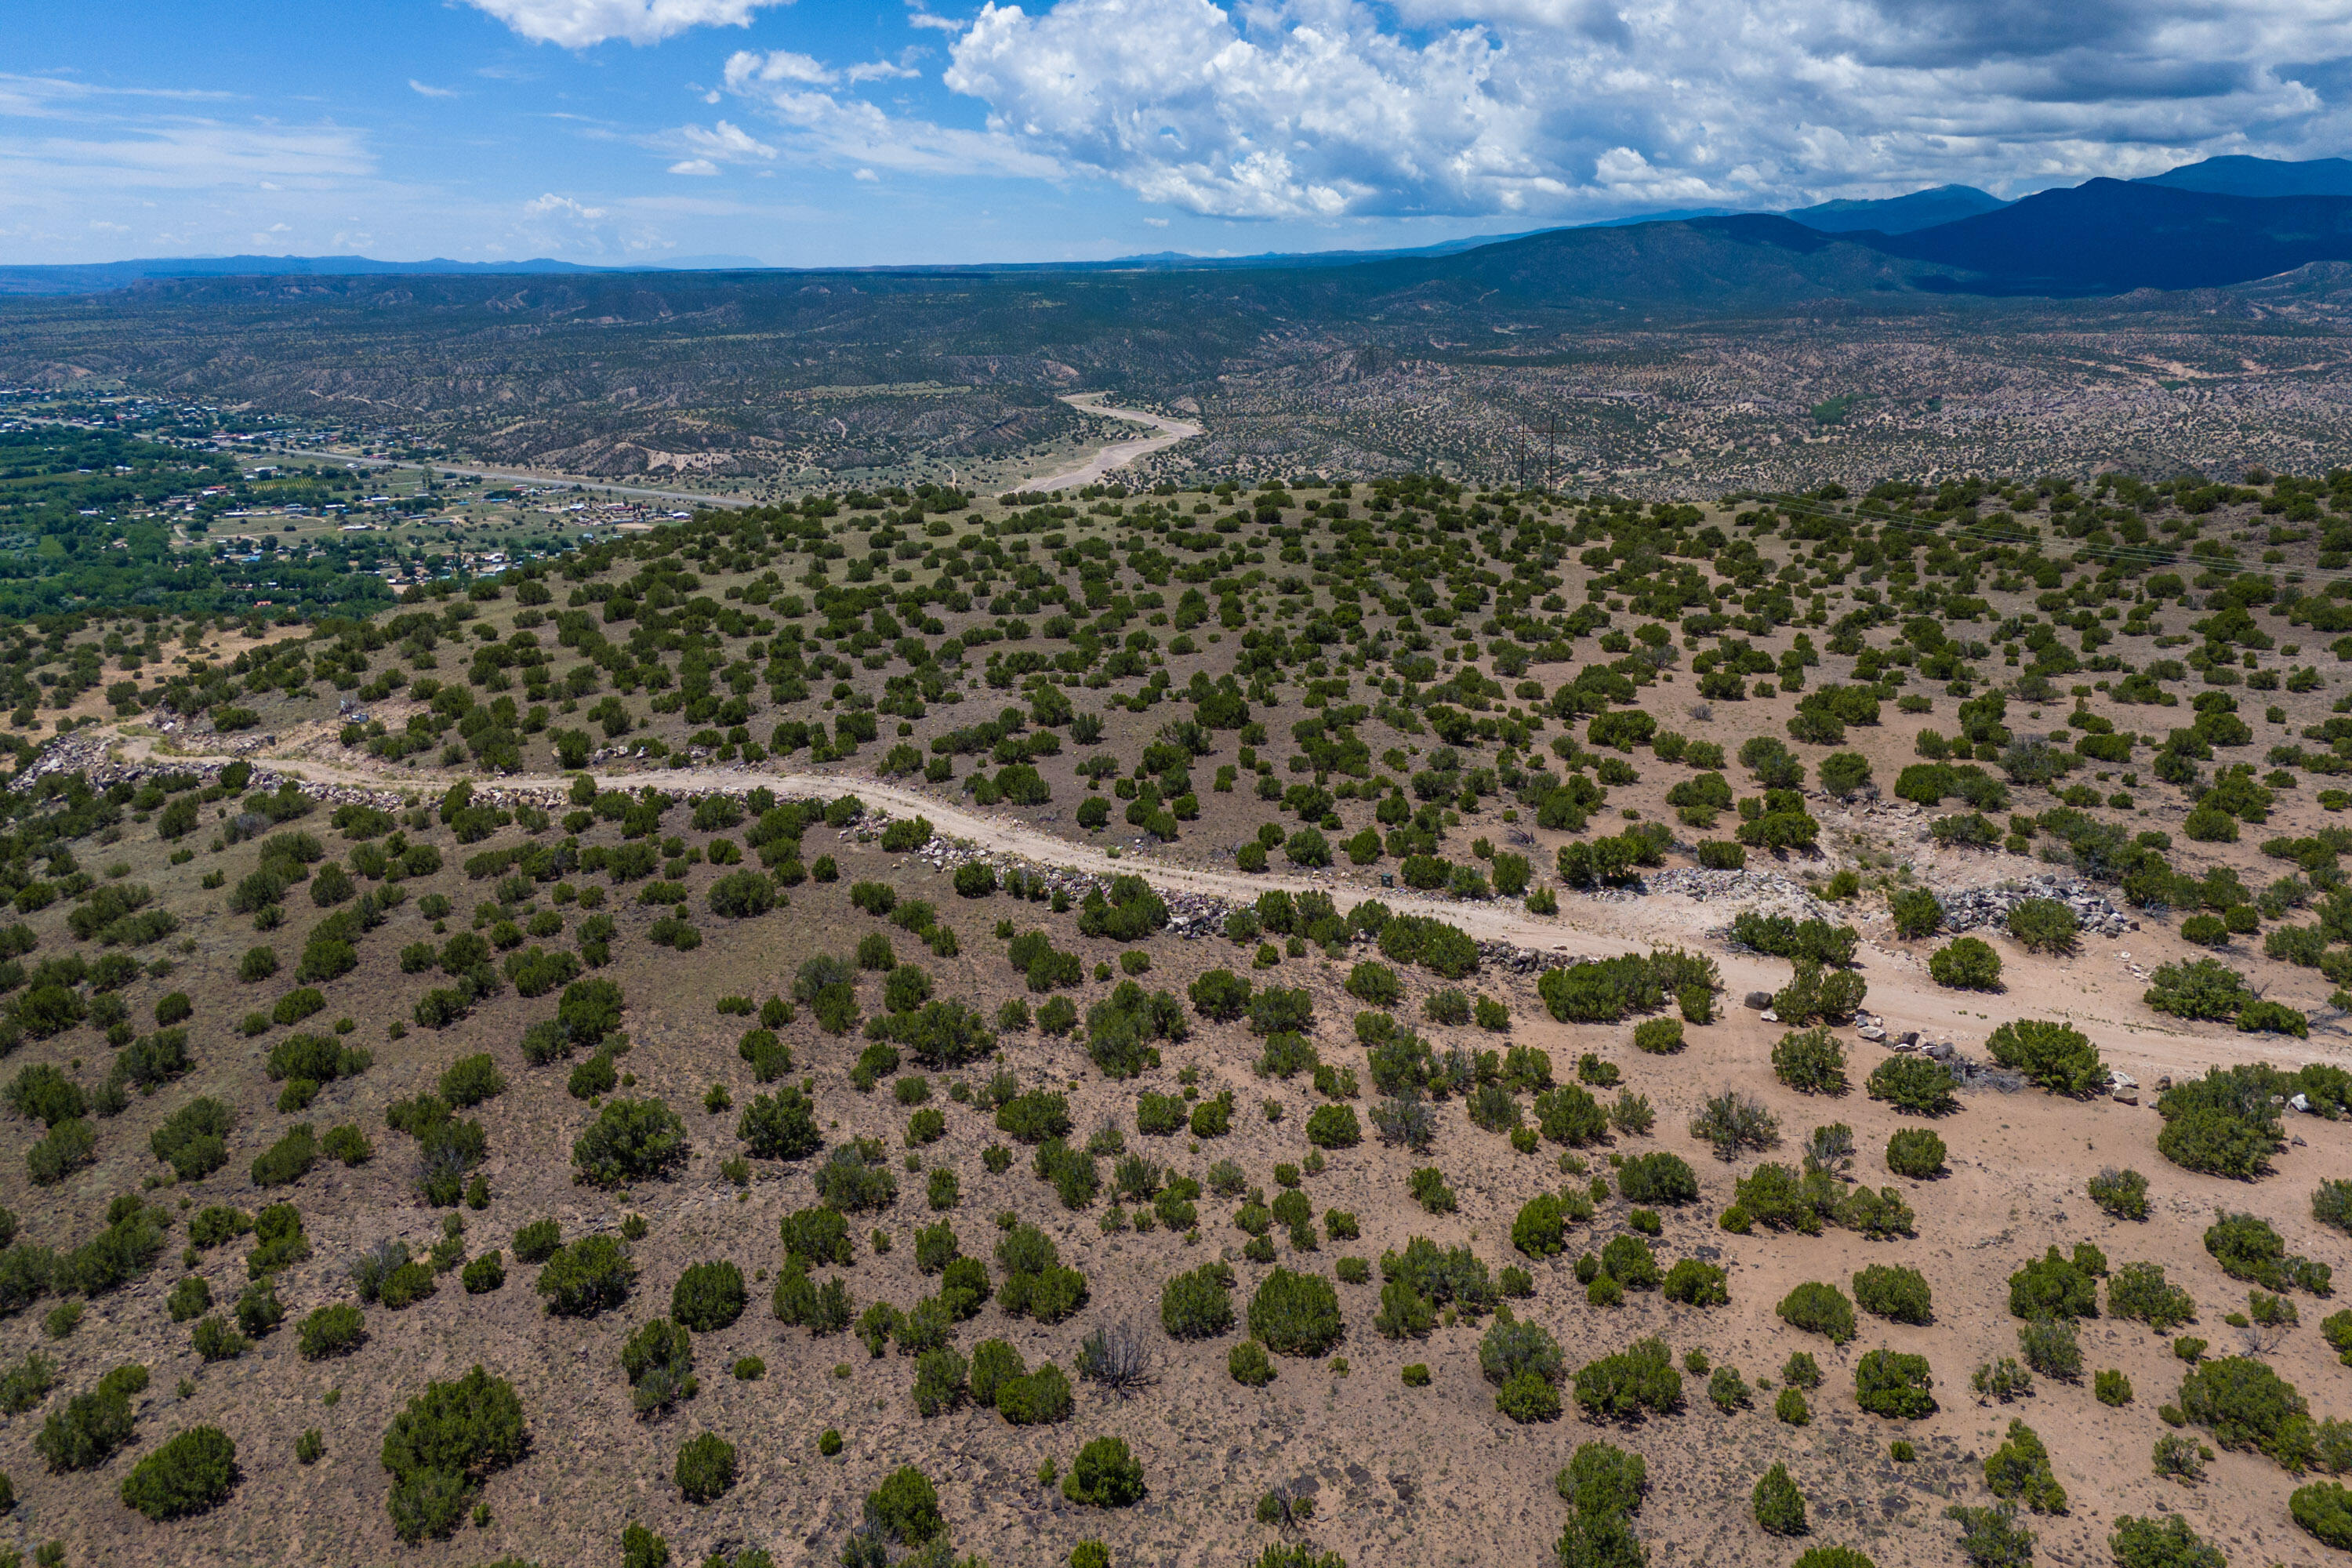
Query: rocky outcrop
{"points": [[1972, 907]]}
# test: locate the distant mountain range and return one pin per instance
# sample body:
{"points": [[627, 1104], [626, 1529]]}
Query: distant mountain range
{"points": [[2211, 224], [2242, 176], [1899, 215], [2109, 236], [97, 277]]}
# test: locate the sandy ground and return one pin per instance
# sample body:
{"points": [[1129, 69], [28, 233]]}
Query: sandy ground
{"points": [[2094, 989], [1119, 454], [1404, 1475]]}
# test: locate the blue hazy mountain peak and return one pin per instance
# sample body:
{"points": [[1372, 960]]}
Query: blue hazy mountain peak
{"points": [[2239, 175], [1899, 215]]}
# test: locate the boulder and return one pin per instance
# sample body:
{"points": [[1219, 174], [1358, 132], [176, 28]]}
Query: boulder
{"points": [[1760, 1001]]}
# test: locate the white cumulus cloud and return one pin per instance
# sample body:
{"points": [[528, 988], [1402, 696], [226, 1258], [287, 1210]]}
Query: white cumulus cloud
{"points": [[792, 90], [578, 24], [725, 141], [694, 166], [748, 69], [1321, 114], [553, 205], [1323, 108]]}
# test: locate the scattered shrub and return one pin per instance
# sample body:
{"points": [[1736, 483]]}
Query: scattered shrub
{"points": [[708, 1297], [2042, 925], [2169, 1543], [536, 1243], [89, 1427], [1295, 1314], [2247, 1249], [706, 1467], [2139, 1291], [1697, 1284], [2020, 1470], [2052, 1286], [2057, 1057], [1660, 1037], [71, 1144], [1919, 1085], [2207, 988], [1657, 1178], [781, 1126], [2324, 1511], [1104, 1474], [1836, 1556], [1819, 1308], [630, 1140], [1888, 1383], [443, 1445], [2123, 1194], [1637, 1380], [1334, 1127], [1733, 1121], [1966, 964], [1780, 1506], [1198, 1305], [2179, 1458], [906, 1508], [1916, 1152], [1811, 1062], [2052, 1348], [591, 1275], [1728, 1391], [2331, 1205], [1892, 1292], [1991, 1537], [2245, 1404], [193, 1140], [2003, 1380], [188, 1474], [1248, 1364]]}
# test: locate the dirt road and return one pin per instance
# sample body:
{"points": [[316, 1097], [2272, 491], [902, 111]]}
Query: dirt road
{"points": [[2095, 990], [1119, 454], [1115, 455], [1497, 921]]}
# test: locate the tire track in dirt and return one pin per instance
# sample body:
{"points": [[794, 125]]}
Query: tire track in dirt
{"points": [[2142, 1044]]}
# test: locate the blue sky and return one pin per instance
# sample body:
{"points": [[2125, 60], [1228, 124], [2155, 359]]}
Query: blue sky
{"points": [[812, 132]]}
